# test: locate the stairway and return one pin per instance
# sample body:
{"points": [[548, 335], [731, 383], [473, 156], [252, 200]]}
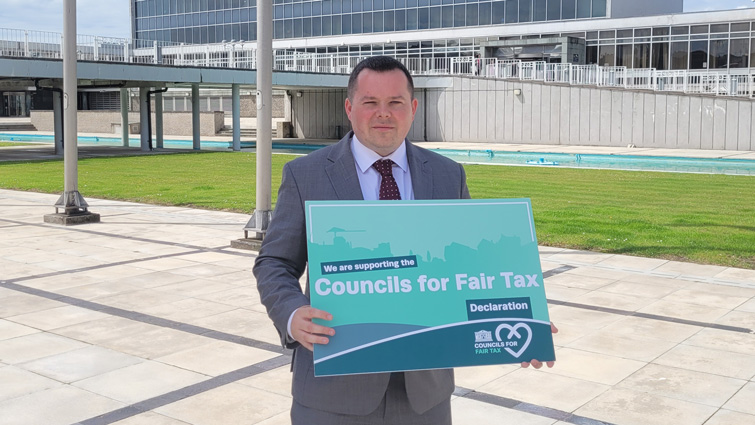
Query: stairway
{"points": [[21, 126]]}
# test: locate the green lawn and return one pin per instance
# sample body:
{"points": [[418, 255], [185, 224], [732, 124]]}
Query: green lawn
{"points": [[691, 217], [7, 144]]}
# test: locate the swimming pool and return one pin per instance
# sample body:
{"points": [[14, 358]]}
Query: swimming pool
{"points": [[533, 159], [611, 162]]}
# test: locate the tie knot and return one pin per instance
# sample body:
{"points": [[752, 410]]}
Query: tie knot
{"points": [[384, 167]]}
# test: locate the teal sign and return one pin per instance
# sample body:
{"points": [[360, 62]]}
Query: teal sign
{"points": [[426, 284]]}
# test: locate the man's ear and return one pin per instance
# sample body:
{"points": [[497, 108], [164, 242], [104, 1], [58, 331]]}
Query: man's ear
{"points": [[414, 107], [347, 107]]}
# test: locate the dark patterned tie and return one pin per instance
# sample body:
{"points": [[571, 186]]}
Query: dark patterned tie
{"points": [[388, 187]]}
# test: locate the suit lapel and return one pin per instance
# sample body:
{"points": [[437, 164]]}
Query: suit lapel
{"points": [[342, 172], [422, 181]]}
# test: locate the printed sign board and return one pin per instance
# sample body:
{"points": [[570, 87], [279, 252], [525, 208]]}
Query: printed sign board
{"points": [[426, 284]]}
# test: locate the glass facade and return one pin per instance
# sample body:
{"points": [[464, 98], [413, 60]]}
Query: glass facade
{"points": [[215, 21], [722, 45], [708, 46]]}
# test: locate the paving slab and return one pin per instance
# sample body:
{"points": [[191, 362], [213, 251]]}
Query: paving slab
{"points": [[149, 317]]}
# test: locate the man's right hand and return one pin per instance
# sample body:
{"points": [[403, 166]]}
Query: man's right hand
{"points": [[307, 333]]}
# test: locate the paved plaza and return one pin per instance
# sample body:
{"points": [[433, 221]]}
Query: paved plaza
{"points": [[150, 318]]}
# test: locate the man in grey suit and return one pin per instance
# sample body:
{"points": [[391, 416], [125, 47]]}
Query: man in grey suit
{"points": [[381, 108]]}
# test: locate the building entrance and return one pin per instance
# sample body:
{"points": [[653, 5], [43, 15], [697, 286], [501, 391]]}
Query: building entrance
{"points": [[15, 104]]}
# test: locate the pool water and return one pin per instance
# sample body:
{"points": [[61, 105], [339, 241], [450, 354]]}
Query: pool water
{"points": [[611, 162], [532, 159]]}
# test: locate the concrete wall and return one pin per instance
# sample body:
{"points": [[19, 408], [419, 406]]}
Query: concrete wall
{"points": [[318, 114], [481, 110], [174, 123]]}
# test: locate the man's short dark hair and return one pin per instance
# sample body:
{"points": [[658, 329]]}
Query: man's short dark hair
{"points": [[378, 64]]}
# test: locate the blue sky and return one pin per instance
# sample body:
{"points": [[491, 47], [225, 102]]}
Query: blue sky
{"points": [[111, 17]]}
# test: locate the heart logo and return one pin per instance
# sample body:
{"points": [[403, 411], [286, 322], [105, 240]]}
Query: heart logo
{"points": [[513, 333]]}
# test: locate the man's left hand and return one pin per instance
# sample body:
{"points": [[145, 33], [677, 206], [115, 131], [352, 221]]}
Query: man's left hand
{"points": [[537, 364]]}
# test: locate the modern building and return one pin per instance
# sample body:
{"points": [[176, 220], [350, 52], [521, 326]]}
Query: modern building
{"points": [[631, 33]]}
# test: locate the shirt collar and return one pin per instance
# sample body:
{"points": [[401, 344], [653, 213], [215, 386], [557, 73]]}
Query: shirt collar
{"points": [[365, 157]]}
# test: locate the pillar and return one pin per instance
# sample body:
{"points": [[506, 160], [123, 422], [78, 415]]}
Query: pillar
{"points": [[236, 107], [124, 117], [57, 113], [159, 120], [144, 117], [195, 116]]}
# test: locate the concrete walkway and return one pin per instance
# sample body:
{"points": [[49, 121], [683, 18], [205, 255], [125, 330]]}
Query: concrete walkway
{"points": [[150, 318]]}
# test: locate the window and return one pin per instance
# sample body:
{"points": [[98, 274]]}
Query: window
{"points": [[512, 12], [447, 17], [642, 56], [698, 54], [367, 22], [459, 16], [498, 8], [569, 9], [525, 10], [739, 57], [598, 8], [423, 15], [485, 14], [356, 23], [472, 17], [624, 55], [660, 56], [377, 22], [411, 19], [388, 20], [719, 52], [679, 55], [554, 10], [539, 10], [679, 30], [607, 55], [400, 21]]}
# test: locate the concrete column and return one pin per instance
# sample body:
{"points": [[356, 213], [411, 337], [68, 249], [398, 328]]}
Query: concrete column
{"points": [[236, 102], [74, 206], [144, 117], [263, 207], [195, 116], [264, 109], [57, 113], [159, 120], [124, 117]]}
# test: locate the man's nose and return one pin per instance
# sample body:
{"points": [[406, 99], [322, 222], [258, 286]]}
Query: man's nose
{"points": [[383, 111]]}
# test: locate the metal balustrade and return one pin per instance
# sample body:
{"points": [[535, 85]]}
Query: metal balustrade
{"points": [[243, 55]]}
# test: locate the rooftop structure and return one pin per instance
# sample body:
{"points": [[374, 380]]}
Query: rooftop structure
{"points": [[634, 34]]}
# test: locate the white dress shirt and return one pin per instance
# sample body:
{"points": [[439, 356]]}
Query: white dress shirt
{"points": [[369, 178]]}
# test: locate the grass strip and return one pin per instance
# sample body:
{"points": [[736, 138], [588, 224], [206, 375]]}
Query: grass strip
{"points": [[703, 218], [9, 144]]}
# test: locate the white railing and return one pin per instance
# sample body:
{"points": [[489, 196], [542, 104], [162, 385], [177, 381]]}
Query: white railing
{"points": [[242, 55]]}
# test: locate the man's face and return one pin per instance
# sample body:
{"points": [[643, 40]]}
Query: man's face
{"points": [[382, 110]]}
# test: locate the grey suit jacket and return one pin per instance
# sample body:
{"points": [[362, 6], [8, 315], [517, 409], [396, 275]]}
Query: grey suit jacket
{"points": [[330, 174]]}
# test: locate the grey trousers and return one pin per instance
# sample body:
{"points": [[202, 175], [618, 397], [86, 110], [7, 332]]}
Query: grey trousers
{"points": [[393, 410]]}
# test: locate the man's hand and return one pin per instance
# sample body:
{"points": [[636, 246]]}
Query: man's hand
{"points": [[307, 333], [537, 364]]}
